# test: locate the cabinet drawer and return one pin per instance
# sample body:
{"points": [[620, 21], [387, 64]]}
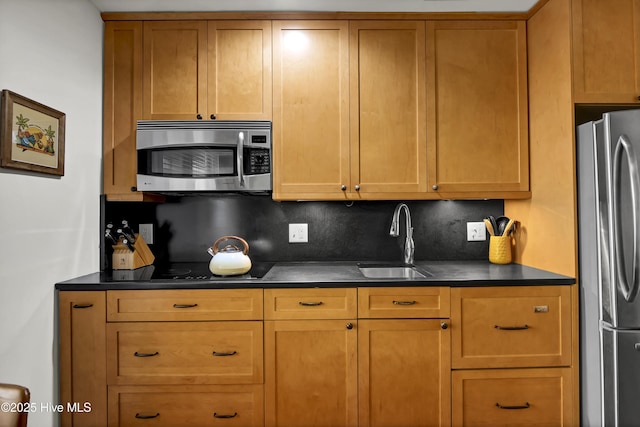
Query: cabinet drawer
{"points": [[330, 303], [403, 303], [188, 406], [185, 352], [510, 397], [172, 305], [522, 326]]}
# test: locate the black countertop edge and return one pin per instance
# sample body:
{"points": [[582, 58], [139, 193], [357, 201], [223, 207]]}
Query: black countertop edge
{"points": [[341, 274]]}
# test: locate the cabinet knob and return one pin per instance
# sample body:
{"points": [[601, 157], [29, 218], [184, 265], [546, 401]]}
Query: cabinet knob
{"points": [[444, 325], [134, 188], [199, 117], [638, 97], [212, 117], [434, 187], [349, 325], [343, 188], [357, 187]]}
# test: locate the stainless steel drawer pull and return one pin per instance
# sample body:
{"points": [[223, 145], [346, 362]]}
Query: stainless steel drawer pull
{"points": [[224, 353], [147, 417], [511, 328], [405, 302], [184, 305], [525, 406], [82, 305], [310, 304], [216, 415], [136, 354]]}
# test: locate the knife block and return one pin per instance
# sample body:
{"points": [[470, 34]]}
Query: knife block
{"points": [[126, 259]]}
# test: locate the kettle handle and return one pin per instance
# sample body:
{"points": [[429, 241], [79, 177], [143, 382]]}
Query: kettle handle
{"points": [[215, 248]]}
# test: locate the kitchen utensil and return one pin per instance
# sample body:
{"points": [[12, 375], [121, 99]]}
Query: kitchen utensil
{"points": [[489, 226], [494, 225], [501, 223], [229, 260], [508, 229]]}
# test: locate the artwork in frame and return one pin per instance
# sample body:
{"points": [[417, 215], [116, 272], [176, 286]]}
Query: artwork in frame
{"points": [[31, 135]]}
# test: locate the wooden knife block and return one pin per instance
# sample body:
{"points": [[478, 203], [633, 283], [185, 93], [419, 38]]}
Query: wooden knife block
{"points": [[125, 259]]}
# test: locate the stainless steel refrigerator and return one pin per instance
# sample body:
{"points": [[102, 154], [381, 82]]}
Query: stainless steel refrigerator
{"points": [[608, 155]]}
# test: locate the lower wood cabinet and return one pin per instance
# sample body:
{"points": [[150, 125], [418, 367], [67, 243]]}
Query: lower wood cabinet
{"points": [[186, 406], [511, 356], [512, 397], [83, 368], [403, 372], [311, 373], [341, 357]]}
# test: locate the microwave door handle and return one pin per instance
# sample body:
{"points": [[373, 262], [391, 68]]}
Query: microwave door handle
{"points": [[240, 160]]}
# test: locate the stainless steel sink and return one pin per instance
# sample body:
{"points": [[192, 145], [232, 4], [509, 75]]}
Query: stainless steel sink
{"points": [[384, 272]]}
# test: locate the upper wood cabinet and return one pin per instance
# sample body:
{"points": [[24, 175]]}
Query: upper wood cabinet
{"points": [[349, 108], [310, 109], [477, 108], [122, 107], [388, 108], [207, 70], [606, 51]]}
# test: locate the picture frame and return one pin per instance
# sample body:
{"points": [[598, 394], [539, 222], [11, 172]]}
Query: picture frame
{"points": [[31, 135]]}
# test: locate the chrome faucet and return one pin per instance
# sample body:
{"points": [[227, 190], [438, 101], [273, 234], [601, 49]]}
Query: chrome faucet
{"points": [[409, 247]]}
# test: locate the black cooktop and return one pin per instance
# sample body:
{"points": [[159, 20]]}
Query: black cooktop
{"points": [[186, 271]]}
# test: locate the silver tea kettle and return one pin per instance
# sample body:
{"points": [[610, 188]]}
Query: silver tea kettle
{"points": [[229, 260]]}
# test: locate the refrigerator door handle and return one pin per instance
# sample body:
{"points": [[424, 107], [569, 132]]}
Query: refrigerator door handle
{"points": [[624, 147]]}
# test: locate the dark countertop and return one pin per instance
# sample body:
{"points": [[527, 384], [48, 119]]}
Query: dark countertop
{"points": [[330, 274]]}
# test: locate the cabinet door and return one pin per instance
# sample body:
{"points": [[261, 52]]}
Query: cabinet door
{"points": [[239, 70], [310, 109], [388, 107], [512, 397], [83, 356], [606, 50], [477, 107], [175, 70], [311, 373], [404, 373], [122, 107]]}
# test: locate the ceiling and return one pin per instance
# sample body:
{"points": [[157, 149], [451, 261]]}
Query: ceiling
{"points": [[314, 5]]}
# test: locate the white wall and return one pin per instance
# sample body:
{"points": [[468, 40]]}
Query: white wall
{"points": [[51, 52]]}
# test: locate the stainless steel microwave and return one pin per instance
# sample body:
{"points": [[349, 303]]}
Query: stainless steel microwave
{"points": [[184, 156]]}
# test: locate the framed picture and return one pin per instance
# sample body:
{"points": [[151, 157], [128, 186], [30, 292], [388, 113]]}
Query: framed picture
{"points": [[31, 135]]}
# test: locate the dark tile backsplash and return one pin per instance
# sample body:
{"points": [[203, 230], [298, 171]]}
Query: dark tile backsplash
{"points": [[185, 227]]}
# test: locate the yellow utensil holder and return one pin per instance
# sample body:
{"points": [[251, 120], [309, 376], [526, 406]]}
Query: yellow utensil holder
{"points": [[500, 249]]}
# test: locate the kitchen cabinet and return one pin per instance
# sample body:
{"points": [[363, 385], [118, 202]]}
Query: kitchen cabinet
{"points": [[404, 360], [477, 114], [388, 109], [207, 70], [311, 357], [511, 356], [508, 397], [83, 377], [310, 109], [177, 70], [606, 51], [176, 357], [349, 98], [122, 108]]}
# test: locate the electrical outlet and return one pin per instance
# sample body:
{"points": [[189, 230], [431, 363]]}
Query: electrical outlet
{"points": [[298, 233], [146, 232], [476, 232]]}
